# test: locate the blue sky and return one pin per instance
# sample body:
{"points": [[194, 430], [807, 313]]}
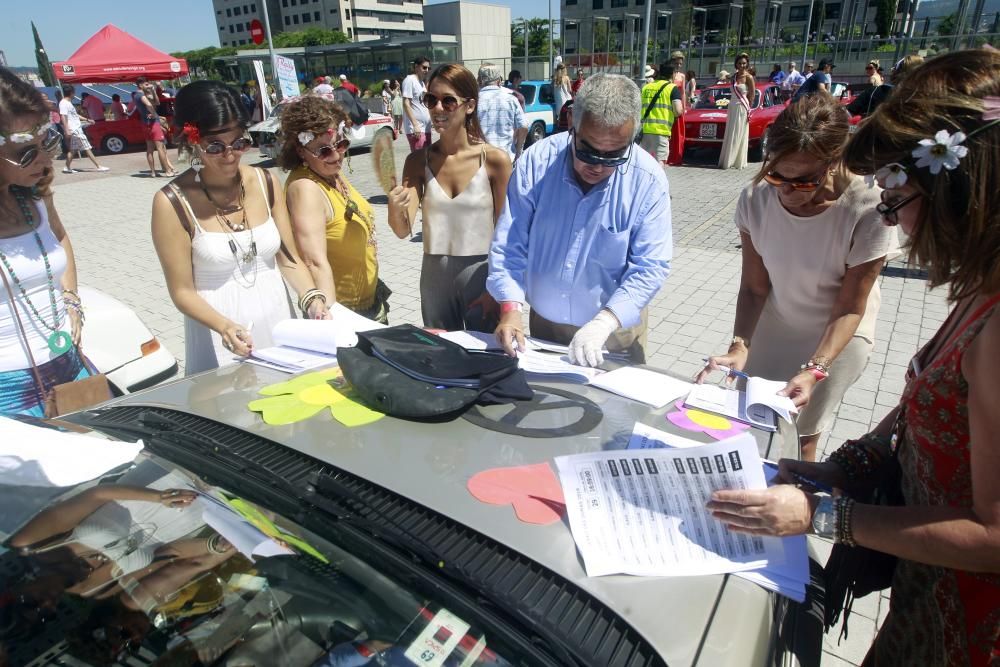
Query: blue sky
{"points": [[177, 25]]}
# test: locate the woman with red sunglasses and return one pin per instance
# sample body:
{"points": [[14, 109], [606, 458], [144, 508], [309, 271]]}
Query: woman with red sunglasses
{"points": [[813, 245], [333, 224], [461, 182]]}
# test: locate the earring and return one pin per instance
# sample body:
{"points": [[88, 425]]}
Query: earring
{"points": [[197, 165]]}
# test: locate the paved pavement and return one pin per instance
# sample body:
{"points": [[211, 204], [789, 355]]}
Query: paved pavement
{"points": [[107, 216]]}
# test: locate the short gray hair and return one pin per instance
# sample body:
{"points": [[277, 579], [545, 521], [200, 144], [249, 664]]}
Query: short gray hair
{"points": [[611, 100], [489, 73]]}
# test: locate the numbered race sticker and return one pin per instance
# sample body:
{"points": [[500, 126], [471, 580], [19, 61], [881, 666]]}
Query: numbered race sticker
{"points": [[437, 640]]}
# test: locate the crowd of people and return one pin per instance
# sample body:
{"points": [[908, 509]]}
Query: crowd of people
{"points": [[578, 229]]}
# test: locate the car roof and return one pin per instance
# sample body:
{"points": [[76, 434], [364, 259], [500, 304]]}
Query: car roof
{"points": [[431, 463]]}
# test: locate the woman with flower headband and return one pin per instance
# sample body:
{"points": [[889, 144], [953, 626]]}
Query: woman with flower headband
{"points": [[334, 226], [935, 147], [40, 312], [461, 181], [813, 247], [221, 232]]}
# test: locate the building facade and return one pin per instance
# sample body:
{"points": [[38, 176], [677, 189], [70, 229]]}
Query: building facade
{"points": [[360, 20], [482, 30]]}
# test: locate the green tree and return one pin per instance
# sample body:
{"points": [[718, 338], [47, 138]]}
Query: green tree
{"points": [[308, 37], [45, 72], [947, 25], [202, 62], [538, 38], [747, 17], [885, 11]]}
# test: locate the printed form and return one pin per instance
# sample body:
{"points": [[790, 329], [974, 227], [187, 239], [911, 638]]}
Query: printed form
{"points": [[642, 512]]}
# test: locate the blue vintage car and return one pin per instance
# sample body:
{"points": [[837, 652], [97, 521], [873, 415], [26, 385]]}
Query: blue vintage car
{"points": [[539, 107]]}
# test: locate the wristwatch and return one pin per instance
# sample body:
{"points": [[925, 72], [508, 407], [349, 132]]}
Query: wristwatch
{"points": [[824, 519]]}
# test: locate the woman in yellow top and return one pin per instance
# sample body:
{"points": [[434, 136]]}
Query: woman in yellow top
{"points": [[334, 226]]}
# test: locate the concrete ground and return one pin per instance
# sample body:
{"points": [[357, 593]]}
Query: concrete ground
{"points": [[107, 216]]}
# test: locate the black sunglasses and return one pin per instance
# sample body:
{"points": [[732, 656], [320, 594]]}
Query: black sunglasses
{"points": [[241, 145], [448, 102], [890, 212], [778, 181], [588, 155], [49, 143], [326, 151]]}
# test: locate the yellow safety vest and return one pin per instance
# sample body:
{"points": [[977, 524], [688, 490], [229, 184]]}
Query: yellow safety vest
{"points": [[661, 117]]}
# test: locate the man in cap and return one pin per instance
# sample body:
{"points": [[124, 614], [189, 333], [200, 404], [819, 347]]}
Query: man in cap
{"points": [[819, 81], [500, 116], [662, 104], [348, 86], [649, 75], [323, 86]]}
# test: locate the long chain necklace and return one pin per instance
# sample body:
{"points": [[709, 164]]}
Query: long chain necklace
{"points": [[58, 341], [352, 209], [242, 255], [222, 212]]}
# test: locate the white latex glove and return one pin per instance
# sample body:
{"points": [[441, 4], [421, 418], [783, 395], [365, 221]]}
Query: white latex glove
{"points": [[585, 348]]}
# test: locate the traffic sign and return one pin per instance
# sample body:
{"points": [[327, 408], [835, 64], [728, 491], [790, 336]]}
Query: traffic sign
{"points": [[257, 31]]}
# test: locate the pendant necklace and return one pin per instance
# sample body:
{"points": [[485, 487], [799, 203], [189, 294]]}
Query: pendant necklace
{"points": [[243, 256], [58, 341], [352, 209], [223, 211]]}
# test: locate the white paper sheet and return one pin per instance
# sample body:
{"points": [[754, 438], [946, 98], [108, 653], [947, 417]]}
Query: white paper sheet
{"points": [[243, 535], [472, 340], [647, 437], [290, 359], [644, 513], [642, 385], [543, 363], [36, 456], [324, 335]]}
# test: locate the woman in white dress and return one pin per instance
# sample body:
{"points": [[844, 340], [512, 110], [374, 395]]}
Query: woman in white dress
{"points": [[813, 246], [222, 234], [562, 88], [737, 138]]}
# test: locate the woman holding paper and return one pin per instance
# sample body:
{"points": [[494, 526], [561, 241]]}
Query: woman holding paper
{"points": [[334, 226], [221, 232], [934, 146], [461, 183], [813, 247]]}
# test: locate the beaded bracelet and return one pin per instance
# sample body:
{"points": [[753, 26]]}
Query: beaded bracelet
{"points": [[858, 458], [843, 518]]}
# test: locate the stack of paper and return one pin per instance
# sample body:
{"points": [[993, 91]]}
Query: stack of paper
{"points": [[302, 345], [787, 572], [759, 405]]}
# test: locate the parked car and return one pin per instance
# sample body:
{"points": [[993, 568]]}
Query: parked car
{"points": [[265, 133], [114, 136], [705, 123], [539, 108], [120, 345], [365, 541]]}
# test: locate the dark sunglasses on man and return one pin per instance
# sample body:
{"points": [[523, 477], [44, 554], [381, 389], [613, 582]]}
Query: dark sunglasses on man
{"points": [[589, 155], [50, 142]]}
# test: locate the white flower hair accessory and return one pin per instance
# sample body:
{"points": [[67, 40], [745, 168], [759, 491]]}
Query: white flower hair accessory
{"points": [[893, 175], [306, 137], [944, 150]]}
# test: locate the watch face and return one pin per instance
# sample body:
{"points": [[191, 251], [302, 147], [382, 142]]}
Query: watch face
{"points": [[824, 517]]}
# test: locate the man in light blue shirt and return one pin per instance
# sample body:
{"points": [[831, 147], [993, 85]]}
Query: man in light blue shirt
{"points": [[500, 115], [585, 234]]}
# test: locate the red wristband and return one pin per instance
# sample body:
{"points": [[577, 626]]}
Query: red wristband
{"points": [[817, 373], [508, 306]]}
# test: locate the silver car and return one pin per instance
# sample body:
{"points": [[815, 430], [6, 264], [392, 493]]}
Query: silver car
{"points": [[265, 133], [359, 545]]}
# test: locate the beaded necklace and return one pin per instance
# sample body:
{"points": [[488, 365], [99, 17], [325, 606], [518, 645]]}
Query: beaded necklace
{"points": [[58, 341]]}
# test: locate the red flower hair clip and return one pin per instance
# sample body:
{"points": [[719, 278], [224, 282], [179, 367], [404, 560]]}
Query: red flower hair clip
{"points": [[191, 132]]}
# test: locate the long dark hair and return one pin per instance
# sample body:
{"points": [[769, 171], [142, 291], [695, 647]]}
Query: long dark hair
{"points": [[208, 105], [20, 98], [464, 83]]}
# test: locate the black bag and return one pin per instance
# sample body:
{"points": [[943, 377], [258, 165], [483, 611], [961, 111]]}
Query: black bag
{"points": [[352, 106], [407, 372], [854, 572]]}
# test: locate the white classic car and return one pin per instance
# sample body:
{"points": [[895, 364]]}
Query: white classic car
{"points": [[265, 133]]}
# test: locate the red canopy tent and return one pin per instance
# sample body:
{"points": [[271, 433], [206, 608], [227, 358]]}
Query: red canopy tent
{"points": [[114, 55]]}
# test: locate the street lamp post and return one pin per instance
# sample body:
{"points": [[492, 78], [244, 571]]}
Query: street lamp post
{"points": [[775, 5], [805, 40], [525, 72], [550, 34], [704, 22], [270, 51], [729, 23], [645, 38], [631, 35]]}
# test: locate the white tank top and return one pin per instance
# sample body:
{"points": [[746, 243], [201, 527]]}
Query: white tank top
{"points": [[26, 260], [461, 226]]}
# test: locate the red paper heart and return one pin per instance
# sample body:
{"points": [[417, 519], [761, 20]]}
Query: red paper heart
{"points": [[533, 490]]}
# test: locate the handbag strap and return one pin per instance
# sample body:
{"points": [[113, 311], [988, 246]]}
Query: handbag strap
{"points": [[649, 109], [24, 335]]}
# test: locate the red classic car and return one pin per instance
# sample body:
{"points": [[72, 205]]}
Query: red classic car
{"points": [[114, 136], [705, 124]]}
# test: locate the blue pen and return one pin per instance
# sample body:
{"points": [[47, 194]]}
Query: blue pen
{"points": [[732, 371], [816, 485]]}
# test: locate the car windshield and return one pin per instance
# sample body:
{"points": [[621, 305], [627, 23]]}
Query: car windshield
{"points": [[154, 565], [718, 98]]}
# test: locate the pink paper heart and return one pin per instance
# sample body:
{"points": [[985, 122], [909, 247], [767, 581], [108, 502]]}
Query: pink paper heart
{"points": [[533, 490]]}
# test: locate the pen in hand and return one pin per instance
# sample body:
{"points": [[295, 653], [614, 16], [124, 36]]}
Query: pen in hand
{"points": [[731, 371], [816, 485]]}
